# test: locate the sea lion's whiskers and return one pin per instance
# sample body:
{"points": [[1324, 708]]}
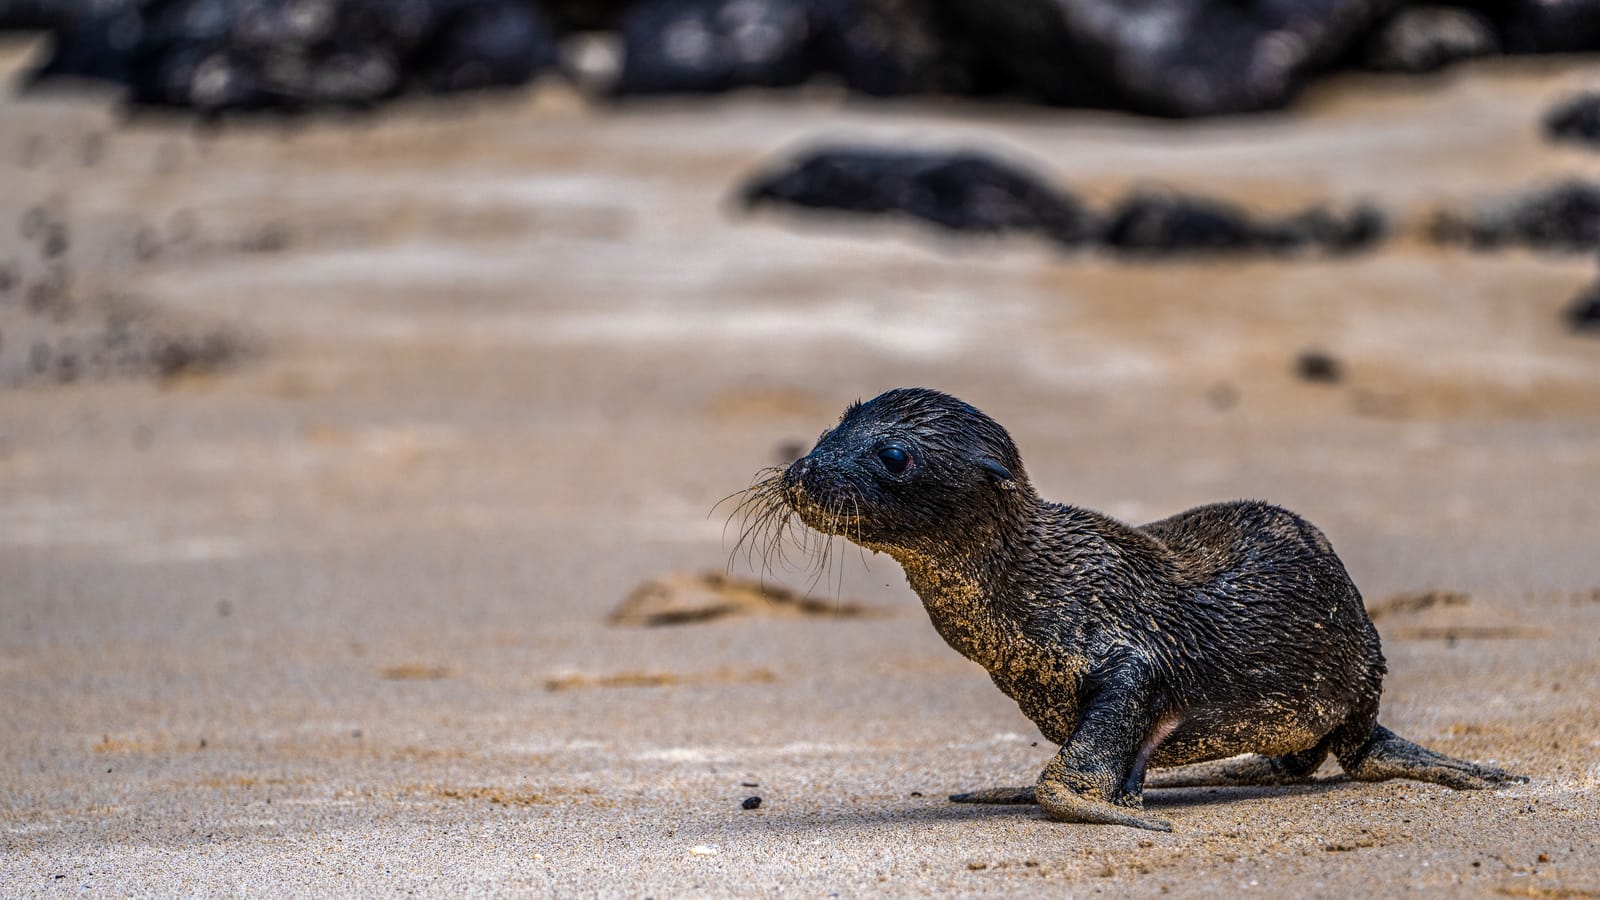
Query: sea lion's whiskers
{"points": [[763, 515], [855, 503], [772, 530], [824, 560]]}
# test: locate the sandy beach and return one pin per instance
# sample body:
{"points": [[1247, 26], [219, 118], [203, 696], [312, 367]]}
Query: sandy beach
{"points": [[332, 618]]}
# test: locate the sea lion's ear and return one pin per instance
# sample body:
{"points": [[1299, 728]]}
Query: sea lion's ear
{"points": [[999, 474]]}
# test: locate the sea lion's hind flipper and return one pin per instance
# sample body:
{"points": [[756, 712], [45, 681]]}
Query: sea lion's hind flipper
{"points": [[1250, 770], [1387, 755], [1009, 796]]}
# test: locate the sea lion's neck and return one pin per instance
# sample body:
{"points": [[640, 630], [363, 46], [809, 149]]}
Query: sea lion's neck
{"points": [[967, 586]]}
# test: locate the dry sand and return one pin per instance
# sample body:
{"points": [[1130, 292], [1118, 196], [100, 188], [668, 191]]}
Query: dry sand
{"points": [[334, 620]]}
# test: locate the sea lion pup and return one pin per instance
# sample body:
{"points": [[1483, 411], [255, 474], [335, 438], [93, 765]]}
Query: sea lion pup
{"points": [[1225, 630]]}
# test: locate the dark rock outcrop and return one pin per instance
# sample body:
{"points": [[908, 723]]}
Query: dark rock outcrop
{"points": [[968, 191], [219, 55], [1576, 119], [1584, 313], [961, 191], [30, 15], [1168, 57], [1428, 38], [880, 47], [1161, 223], [1563, 217], [1546, 26], [1163, 57]]}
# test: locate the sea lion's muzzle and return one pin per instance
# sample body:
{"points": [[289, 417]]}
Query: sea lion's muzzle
{"points": [[824, 501]]}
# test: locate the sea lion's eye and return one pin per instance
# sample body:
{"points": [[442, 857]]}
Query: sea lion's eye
{"points": [[895, 459]]}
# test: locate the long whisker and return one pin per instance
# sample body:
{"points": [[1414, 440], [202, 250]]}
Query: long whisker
{"points": [[772, 534], [761, 512]]}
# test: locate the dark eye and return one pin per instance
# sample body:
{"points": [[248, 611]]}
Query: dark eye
{"points": [[894, 459]]}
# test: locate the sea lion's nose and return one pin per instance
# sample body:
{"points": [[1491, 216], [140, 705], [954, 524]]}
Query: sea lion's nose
{"points": [[793, 475]]}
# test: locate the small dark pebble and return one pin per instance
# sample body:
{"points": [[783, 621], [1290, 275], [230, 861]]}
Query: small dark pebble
{"points": [[1222, 396], [749, 784], [146, 243], [1576, 119], [177, 356], [272, 237], [751, 803], [55, 241], [1318, 367], [916, 793], [1584, 313]]}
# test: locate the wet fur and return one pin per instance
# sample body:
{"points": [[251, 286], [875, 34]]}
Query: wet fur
{"points": [[1227, 629]]}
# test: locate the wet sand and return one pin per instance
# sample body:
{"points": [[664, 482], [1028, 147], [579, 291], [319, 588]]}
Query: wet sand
{"points": [[334, 618]]}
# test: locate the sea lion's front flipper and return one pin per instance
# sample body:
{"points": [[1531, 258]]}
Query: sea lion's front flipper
{"points": [[1098, 776], [1388, 755], [1066, 805]]}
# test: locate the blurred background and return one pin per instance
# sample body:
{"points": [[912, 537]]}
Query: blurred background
{"points": [[371, 372]]}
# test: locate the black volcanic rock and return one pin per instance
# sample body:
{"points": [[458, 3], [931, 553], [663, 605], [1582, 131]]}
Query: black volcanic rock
{"points": [[1157, 222], [688, 46], [221, 55], [1428, 38], [881, 47], [1564, 217], [969, 191], [1584, 313], [1168, 57], [31, 14], [961, 191], [1576, 119], [1161, 223], [1547, 26]]}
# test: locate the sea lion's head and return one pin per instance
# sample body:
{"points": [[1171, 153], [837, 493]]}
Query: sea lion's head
{"points": [[909, 469]]}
